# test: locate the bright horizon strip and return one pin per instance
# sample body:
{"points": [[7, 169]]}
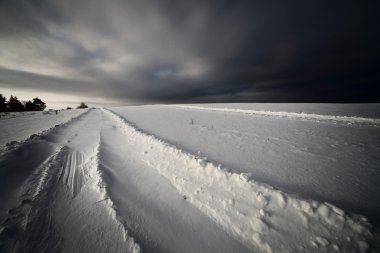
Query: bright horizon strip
{"points": [[57, 101]]}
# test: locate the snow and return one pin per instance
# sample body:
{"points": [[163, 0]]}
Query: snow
{"points": [[19, 126], [326, 161], [63, 203], [298, 115], [153, 211], [348, 110], [256, 222], [183, 179]]}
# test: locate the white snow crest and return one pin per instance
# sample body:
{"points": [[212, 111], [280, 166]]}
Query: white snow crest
{"points": [[267, 221], [308, 116]]}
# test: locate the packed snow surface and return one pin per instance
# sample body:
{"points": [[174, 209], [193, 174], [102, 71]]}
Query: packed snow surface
{"points": [[192, 178]]}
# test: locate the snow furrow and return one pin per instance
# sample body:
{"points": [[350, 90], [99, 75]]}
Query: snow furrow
{"points": [[261, 217], [293, 115]]}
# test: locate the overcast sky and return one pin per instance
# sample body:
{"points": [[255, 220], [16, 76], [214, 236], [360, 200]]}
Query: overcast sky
{"points": [[167, 51]]}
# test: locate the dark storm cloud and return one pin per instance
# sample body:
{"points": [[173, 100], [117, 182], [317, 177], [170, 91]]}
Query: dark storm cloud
{"points": [[193, 51]]}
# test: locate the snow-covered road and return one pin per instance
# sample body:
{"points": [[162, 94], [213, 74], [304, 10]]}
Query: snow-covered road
{"points": [[99, 183]]}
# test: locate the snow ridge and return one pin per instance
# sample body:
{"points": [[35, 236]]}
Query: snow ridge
{"points": [[269, 221], [307, 116]]}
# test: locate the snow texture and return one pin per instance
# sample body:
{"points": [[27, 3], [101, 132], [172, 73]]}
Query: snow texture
{"points": [[181, 179], [324, 161]]}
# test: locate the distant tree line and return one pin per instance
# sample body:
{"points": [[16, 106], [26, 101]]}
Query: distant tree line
{"points": [[82, 106], [15, 105]]}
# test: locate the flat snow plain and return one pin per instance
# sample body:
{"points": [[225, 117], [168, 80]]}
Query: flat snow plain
{"points": [[192, 178]]}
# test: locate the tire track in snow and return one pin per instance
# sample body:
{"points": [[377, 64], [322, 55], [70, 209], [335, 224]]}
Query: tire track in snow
{"points": [[261, 217], [291, 115]]}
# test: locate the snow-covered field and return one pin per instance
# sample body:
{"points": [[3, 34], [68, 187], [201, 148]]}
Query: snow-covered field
{"points": [[16, 127], [192, 178]]}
